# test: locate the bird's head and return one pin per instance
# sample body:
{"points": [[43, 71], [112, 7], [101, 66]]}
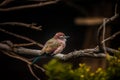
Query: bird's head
{"points": [[60, 35]]}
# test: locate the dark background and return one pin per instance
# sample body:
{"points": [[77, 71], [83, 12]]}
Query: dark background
{"points": [[54, 18]]}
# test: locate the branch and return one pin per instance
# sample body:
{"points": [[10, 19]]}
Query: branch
{"points": [[13, 55], [31, 71], [32, 26], [100, 29], [111, 37], [5, 2], [116, 7], [23, 44], [21, 37], [116, 14], [20, 58], [94, 52], [104, 30], [29, 6]]}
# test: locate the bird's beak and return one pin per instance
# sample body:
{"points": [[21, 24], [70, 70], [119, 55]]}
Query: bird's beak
{"points": [[67, 37]]}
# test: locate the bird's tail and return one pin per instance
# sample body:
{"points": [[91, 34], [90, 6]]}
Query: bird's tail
{"points": [[35, 60]]}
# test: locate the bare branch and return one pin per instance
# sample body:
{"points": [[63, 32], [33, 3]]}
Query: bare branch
{"points": [[94, 52], [100, 29], [116, 14], [32, 26], [31, 71], [19, 50], [5, 2], [111, 37], [29, 6], [21, 37], [116, 7], [104, 29], [23, 44], [20, 58], [13, 55]]}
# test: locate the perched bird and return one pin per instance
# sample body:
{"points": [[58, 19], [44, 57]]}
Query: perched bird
{"points": [[54, 45]]}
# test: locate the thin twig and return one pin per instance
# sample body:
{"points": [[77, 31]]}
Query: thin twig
{"points": [[11, 54], [29, 6], [23, 44], [32, 26], [111, 37], [5, 2], [116, 7], [31, 71], [21, 37]]}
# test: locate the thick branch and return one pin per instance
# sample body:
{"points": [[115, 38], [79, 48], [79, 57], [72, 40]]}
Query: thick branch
{"points": [[86, 52], [19, 50]]}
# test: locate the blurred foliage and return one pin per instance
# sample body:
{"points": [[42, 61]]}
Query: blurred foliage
{"points": [[113, 70], [57, 70]]}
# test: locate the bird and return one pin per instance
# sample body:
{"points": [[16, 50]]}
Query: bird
{"points": [[53, 46]]}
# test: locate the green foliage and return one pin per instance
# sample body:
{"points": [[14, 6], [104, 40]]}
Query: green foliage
{"points": [[62, 71], [56, 70], [113, 70]]}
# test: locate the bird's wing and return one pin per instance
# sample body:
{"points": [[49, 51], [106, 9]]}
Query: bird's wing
{"points": [[50, 46], [59, 48]]}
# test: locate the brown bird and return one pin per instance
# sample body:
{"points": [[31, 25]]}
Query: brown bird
{"points": [[54, 45]]}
